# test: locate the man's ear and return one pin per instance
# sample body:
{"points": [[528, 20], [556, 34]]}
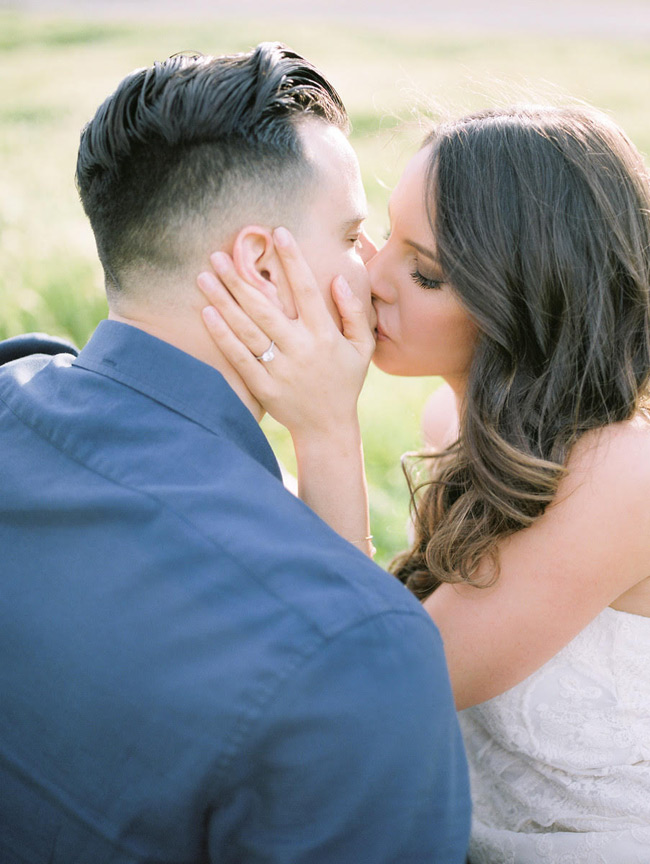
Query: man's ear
{"points": [[256, 261]]}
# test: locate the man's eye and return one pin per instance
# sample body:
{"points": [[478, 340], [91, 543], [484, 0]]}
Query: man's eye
{"points": [[386, 234], [356, 240]]}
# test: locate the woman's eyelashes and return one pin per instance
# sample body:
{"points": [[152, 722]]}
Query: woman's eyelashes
{"points": [[423, 282], [416, 276]]}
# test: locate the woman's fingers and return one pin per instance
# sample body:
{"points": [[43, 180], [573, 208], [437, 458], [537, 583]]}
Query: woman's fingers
{"points": [[256, 306], [309, 300], [254, 372], [247, 331], [354, 318]]}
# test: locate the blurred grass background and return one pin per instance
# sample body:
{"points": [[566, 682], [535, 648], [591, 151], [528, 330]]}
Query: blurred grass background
{"points": [[55, 70]]}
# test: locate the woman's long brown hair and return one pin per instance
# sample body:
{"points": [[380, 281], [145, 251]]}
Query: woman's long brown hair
{"points": [[541, 220]]}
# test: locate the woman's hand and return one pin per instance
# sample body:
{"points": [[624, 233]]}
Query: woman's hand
{"points": [[306, 374], [312, 381]]}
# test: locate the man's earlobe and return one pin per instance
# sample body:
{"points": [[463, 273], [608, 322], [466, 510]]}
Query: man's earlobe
{"points": [[253, 254]]}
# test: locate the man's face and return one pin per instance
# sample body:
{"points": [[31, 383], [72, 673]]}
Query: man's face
{"points": [[329, 230]]}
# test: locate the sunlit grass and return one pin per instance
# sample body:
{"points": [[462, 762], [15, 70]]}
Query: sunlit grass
{"points": [[54, 72]]}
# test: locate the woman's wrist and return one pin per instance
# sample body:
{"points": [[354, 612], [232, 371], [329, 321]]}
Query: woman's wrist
{"points": [[331, 480], [340, 436], [365, 545]]}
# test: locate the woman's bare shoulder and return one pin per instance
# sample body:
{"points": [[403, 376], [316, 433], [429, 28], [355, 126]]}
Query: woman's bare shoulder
{"points": [[617, 455], [589, 549]]}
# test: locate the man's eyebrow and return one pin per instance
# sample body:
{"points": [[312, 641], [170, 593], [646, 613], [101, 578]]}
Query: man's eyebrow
{"points": [[352, 223]]}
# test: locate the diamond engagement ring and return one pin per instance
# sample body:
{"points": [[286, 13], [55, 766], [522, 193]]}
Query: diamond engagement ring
{"points": [[269, 354]]}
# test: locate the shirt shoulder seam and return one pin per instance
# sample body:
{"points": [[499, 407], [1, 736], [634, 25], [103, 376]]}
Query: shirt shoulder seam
{"points": [[271, 692]]}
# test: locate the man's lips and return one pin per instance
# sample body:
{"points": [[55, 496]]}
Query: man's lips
{"points": [[380, 336]]}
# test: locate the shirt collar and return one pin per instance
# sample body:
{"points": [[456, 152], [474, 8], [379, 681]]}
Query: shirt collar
{"points": [[178, 381]]}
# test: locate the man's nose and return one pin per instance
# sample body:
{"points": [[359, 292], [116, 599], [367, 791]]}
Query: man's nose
{"points": [[367, 248]]}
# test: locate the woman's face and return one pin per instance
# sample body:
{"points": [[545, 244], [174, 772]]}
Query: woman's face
{"points": [[422, 329]]}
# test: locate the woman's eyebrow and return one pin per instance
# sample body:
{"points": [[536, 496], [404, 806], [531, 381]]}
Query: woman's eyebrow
{"points": [[422, 250]]}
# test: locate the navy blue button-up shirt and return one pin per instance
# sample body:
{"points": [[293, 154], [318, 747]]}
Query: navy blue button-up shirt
{"points": [[194, 667]]}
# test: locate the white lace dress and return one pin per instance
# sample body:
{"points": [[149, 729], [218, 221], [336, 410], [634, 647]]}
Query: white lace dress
{"points": [[560, 764]]}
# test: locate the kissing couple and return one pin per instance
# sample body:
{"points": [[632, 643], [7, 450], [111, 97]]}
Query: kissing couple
{"points": [[202, 666]]}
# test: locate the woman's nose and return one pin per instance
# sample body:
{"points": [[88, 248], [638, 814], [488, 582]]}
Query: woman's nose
{"points": [[380, 283]]}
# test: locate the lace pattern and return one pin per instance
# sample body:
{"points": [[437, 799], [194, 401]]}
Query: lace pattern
{"points": [[560, 764]]}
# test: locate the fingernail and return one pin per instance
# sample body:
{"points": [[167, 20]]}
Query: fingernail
{"points": [[282, 236], [219, 261], [205, 280], [343, 286], [211, 316]]}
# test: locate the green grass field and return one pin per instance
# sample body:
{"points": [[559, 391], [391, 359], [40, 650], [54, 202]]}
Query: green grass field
{"points": [[54, 72]]}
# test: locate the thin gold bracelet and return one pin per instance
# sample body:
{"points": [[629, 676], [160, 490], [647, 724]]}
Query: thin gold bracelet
{"points": [[367, 539]]}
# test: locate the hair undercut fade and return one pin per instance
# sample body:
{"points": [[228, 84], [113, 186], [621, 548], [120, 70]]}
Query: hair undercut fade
{"points": [[196, 138]]}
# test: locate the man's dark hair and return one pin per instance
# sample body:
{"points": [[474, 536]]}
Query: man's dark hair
{"points": [[188, 138]]}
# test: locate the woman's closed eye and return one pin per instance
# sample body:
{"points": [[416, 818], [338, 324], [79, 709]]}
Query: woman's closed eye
{"points": [[424, 282]]}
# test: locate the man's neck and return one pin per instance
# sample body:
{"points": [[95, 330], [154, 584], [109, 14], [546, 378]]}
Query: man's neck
{"points": [[190, 336]]}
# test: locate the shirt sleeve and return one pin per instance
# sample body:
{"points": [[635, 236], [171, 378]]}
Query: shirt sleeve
{"points": [[360, 759], [34, 343]]}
